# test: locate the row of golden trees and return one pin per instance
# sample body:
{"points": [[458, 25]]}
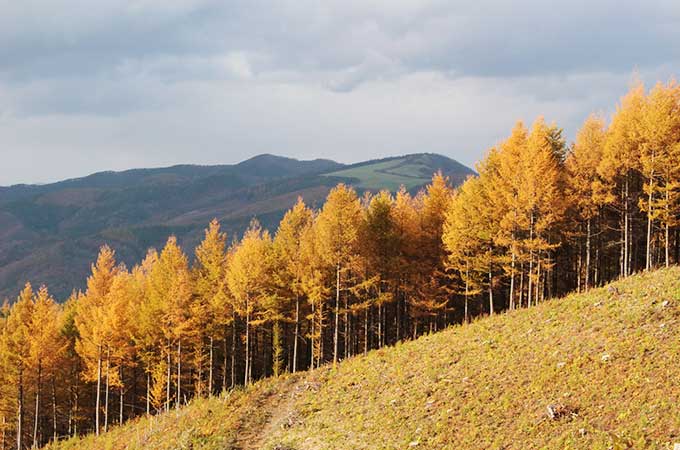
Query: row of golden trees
{"points": [[356, 275], [539, 220]]}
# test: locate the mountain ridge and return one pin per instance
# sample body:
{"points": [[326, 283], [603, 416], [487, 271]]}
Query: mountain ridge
{"points": [[50, 233]]}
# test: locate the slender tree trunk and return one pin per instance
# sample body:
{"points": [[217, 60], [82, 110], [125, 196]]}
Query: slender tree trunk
{"points": [[626, 253], [337, 314], [148, 391], [36, 416], [588, 235], [122, 398], [106, 393], [20, 410], [490, 292], [650, 197], [296, 336], [76, 401], [169, 378], [366, 331], [210, 370], [531, 262], [380, 326], [668, 231], [467, 274], [512, 277], [179, 374], [520, 301], [277, 350], [99, 390], [347, 337], [247, 356], [232, 382], [54, 408]]}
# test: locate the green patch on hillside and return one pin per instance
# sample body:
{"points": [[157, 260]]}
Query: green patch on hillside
{"points": [[595, 371], [411, 171], [386, 175]]}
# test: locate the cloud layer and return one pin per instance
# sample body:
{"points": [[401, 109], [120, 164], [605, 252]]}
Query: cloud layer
{"points": [[116, 84]]}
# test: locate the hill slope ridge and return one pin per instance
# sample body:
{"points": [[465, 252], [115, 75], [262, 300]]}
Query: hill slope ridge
{"points": [[594, 370], [51, 233]]}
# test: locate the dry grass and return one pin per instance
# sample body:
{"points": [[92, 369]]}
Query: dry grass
{"points": [[607, 363]]}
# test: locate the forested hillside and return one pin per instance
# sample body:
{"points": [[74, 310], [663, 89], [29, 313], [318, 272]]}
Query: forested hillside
{"points": [[362, 272], [50, 233], [590, 371]]}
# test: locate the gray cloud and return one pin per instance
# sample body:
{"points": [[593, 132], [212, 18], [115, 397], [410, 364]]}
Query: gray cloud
{"points": [[113, 84]]}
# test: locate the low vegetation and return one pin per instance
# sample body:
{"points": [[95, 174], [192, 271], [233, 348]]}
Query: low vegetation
{"points": [[594, 370]]}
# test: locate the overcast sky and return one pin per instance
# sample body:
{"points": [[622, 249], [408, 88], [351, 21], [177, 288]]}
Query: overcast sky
{"points": [[113, 84]]}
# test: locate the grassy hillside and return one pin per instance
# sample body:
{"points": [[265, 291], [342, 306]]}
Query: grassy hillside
{"points": [[51, 233], [411, 171], [605, 363]]}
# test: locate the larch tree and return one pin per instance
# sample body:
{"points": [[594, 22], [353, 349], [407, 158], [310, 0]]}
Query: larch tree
{"points": [[507, 185], [337, 233], [91, 319], [16, 358], [433, 294], [247, 278], [291, 265], [582, 181], [406, 227], [620, 168], [660, 136], [46, 346], [542, 192], [211, 294], [465, 240], [377, 265], [169, 291]]}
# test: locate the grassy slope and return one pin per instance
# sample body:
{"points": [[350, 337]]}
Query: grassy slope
{"points": [[383, 175], [610, 357]]}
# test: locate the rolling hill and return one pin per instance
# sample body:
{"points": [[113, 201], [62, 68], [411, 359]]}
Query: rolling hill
{"points": [[51, 233], [594, 370]]}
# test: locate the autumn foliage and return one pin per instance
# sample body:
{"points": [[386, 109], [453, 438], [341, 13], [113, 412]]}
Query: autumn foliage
{"points": [[541, 218]]}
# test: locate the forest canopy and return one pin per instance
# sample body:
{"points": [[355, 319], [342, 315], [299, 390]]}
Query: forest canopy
{"points": [[541, 219]]}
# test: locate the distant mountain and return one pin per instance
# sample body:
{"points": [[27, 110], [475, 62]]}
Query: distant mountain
{"points": [[51, 233]]}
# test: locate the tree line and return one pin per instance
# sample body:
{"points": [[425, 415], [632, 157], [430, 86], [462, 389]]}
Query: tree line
{"points": [[541, 219]]}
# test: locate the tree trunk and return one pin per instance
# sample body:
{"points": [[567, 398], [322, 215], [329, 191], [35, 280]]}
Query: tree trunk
{"points": [[179, 374], [490, 293], [648, 254], [232, 382], [210, 370], [36, 416], [148, 391], [277, 350], [347, 337], [588, 234], [106, 393], [337, 314], [99, 390], [467, 274], [366, 331], [297, 332], [169, 378], [54, 409], [247, 356], [122, 398], [20, 409], [626, 253], [512, 277], [668, 231]]}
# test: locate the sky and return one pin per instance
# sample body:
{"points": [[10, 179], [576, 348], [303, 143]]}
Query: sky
{"points": [[114, 84]]}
